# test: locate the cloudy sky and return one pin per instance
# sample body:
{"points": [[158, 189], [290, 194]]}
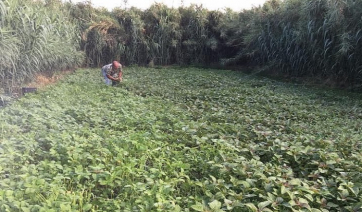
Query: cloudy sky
{"points": [[235, 5]]}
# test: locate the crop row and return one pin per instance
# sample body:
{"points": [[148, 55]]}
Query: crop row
{"points": [[180, 139]]}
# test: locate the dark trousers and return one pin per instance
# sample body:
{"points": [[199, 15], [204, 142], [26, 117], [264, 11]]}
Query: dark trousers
{"points": [[114, 83]]}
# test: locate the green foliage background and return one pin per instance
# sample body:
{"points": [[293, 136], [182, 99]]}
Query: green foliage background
{"points": [[181, 139], [313, 39], [318, 39], [35, 37]]}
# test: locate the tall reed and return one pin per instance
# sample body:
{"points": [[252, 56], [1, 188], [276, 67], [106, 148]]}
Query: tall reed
{"points": [[313, 38], [35, 37]]}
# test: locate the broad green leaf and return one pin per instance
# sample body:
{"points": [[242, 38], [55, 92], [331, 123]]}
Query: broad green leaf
{"points": [[283, 189], [295, 182], [264, 204], [198, 207], [215, 205], [87, 207], [357, 206], [252, 207]]}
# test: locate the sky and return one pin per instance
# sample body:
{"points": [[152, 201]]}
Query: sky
{"points": [[236, 5]]}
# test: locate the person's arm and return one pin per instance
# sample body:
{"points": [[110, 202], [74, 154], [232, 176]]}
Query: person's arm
{"points": [[107, 72], [112, 78]]}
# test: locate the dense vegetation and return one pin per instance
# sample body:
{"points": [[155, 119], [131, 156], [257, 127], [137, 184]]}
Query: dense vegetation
{"points": [[294, 38], [313, 39], [35, 37], [181, 139]]}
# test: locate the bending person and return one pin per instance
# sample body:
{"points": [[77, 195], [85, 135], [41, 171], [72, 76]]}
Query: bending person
{"points": [[112, 73]]}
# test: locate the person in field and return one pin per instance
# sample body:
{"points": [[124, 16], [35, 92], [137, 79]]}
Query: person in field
{"points": [[112, 73]]}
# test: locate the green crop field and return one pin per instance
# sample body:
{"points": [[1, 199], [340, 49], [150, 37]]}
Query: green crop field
{"points": [[181, 139]]}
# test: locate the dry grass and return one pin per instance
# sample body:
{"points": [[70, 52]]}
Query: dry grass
{"points": [[42, 80]]}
